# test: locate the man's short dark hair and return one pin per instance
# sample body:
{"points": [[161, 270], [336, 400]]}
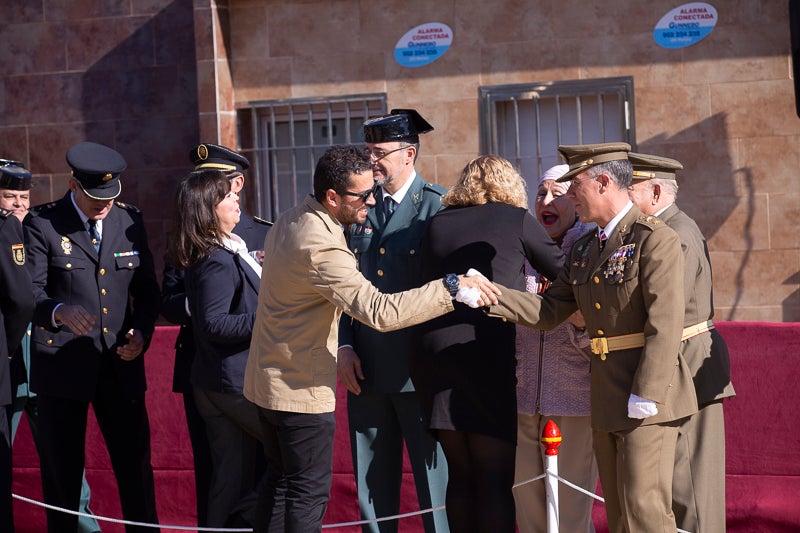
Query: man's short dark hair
{"points": [[334, 168]]}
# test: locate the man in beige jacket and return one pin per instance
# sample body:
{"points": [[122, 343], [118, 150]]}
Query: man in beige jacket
{"points": [[291, 371]]}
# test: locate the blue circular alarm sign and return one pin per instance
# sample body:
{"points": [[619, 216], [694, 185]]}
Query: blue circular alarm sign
{"points": [[423, 44], [685, 25]]}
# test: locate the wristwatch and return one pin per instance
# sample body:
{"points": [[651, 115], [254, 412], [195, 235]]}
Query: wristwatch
{"points": [[451, 282]]}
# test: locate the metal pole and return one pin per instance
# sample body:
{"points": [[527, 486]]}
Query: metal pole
{"points": [[551, 440]]}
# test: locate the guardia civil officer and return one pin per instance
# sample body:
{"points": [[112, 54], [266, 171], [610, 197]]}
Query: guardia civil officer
{"points": [[97, 301], [698, 487], [16, 309], [623, 279], [382, 406], [253, 230]]}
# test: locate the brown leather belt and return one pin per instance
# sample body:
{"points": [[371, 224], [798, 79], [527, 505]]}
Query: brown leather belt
{"points": [[603, 345]]}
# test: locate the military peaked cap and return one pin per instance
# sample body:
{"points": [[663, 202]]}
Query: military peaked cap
{"points": [[581, 157], [646, 166]]}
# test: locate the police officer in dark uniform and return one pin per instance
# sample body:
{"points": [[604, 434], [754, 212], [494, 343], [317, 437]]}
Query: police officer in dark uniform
{"points": [[15, 190], [253, 231], [382, 405], [97, 301], [16, 309]]}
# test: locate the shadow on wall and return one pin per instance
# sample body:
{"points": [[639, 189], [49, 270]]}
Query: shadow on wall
{"points": [[711, 189], [747, 237], [141, 99], [790, 303]]}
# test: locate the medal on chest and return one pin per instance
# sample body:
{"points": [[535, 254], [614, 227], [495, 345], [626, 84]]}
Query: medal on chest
{"points": [[581, 257], [615, 267], [66, 245]]}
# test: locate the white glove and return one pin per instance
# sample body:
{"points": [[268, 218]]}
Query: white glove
{"points": [[469, 296], [639, 407]]}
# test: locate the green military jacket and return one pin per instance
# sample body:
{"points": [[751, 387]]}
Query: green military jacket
{"points": [[388, 255], [706, 354], [634, 285]]}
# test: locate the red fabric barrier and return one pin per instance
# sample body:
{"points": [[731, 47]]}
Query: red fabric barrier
{"points": [[763, 443]]}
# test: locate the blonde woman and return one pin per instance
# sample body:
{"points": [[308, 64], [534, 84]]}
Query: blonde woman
{"points": [[465, 369]]}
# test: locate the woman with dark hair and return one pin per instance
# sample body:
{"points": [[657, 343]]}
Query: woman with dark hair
{"points": [[465, 369], [222, 281]]}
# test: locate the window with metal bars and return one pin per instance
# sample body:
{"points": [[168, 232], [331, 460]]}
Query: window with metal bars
{"points": [[526, 122], [284, 138]]}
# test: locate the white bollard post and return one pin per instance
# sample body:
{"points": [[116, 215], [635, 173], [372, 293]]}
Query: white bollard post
{"points": [[551, 440]]}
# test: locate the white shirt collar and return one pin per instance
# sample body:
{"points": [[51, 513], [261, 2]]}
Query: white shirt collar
{"points": [[399, 195], [84, 218], [660, 211], [611, 226]]}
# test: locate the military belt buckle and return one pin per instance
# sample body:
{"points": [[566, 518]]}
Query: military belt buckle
{"points": [[599, 345]]}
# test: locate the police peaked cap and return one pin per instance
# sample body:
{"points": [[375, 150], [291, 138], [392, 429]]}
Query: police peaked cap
{"points": [[213, 156], [14, 176], [398, 125], [96, 168]]}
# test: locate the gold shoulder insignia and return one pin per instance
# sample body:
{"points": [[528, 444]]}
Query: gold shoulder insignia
{"points": [[649, 221], [4, 213], [129, 207]]}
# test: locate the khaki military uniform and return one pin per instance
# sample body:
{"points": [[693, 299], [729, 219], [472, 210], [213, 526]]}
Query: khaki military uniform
{"points": [[699, 479], [633, 285]]}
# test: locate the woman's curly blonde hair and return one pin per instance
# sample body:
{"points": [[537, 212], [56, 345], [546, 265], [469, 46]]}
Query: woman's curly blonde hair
{"points": [[488, 179]]}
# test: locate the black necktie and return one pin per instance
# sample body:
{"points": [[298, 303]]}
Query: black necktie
{"points": [[94, 235], [388, 206]]}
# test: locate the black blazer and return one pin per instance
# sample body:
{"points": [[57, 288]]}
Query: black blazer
{"points": [[16, 298], [119, 286], [223, 297], [466, 354], [253, 231]]}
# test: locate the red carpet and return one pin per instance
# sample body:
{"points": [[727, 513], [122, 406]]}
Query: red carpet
{"points": [[762, 437]]}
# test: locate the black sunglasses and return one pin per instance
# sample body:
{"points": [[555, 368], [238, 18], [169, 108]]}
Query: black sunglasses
{"points": [[363, 195]]}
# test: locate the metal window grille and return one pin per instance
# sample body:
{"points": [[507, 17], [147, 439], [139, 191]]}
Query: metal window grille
{"points": [[284, 138], [525, 123]]}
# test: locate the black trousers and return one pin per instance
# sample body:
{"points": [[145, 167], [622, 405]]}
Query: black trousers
{"points": [[235, 440], [201, 456], [126, 431], [299, 449]]}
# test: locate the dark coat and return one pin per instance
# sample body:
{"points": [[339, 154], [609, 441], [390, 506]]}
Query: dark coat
{"points": [[119, 287], [16, 297], [223, 298], [253, 231], [465, 371]]}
